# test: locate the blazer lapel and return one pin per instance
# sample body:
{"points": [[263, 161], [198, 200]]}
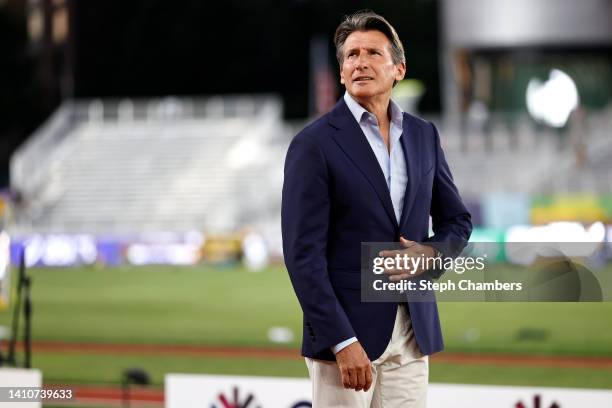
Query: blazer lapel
{"points": [[411, 144], [353, 142]]}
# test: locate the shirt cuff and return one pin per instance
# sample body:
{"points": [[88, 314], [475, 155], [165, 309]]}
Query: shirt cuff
{"points": [[336, 349]]}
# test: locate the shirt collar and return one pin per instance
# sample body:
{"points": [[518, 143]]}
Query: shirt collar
{"points": [[359, 111]]}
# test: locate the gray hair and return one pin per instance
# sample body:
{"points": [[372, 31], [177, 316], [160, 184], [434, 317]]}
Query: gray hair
{"points": [[366, 20]]}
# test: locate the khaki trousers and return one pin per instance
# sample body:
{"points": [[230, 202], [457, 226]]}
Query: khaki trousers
{"points": [[399, 376]]}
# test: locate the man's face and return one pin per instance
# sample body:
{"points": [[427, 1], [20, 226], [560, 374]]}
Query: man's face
{"points": [[368, 70]]}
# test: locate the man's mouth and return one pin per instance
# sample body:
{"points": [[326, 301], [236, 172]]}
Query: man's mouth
{"points": [[363, 78]]}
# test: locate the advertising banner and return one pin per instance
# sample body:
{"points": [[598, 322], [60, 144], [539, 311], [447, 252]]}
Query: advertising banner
{"points": [[215, 391]]}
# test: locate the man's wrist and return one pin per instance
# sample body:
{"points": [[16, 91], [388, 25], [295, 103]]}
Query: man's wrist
{"points": [[342, 345]]}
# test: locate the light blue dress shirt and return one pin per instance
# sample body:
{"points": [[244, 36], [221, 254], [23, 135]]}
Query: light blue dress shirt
{"points": [[392, 163]]}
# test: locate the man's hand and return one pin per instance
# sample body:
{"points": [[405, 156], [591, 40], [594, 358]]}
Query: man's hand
{"points": [[355, 367], [413, 250]]}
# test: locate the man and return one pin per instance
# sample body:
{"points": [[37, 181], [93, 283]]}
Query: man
{"points": [[366, 172]]}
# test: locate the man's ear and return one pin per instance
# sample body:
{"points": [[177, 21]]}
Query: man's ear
{"points": [[401, 71], [341, 77]]}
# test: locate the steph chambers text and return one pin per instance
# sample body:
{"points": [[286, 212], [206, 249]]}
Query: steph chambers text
{"points": [[462, 285]]}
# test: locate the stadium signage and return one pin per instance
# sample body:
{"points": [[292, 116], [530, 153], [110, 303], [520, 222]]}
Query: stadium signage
{"points": [[197, 391]]}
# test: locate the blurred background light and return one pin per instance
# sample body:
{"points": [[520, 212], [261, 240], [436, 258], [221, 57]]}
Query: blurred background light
{"points": [[552, 101]]}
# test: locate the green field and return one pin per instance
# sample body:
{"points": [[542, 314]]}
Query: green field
{"points": [[233, 307]]}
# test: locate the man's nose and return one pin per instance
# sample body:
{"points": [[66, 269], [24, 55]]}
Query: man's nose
{"points": [[362, 62]]}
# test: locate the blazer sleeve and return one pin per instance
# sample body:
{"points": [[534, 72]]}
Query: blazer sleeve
{"points": [[451, 221], [305, 217]]}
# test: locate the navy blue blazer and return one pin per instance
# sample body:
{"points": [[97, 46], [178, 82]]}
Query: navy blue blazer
{"points": [[334, 198]]}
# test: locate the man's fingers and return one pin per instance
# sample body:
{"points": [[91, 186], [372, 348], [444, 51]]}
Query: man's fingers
{"points": [[352, 377], [390, 271], [368, 378], [344, 374], [361, 378], [388, 253], [395, 273], [406, 243], [398, 271], [410, 251]]}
